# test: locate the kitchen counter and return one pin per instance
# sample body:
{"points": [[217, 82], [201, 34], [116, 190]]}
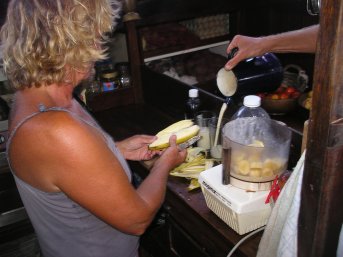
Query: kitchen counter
{"points": [[184, 216]]}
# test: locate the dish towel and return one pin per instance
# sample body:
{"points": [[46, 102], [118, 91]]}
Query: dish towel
{"points": [[340, 244], [280, 235]]}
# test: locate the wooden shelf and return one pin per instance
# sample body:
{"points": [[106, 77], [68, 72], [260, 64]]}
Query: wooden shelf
{"points": [[164, 53], [106, 100]]}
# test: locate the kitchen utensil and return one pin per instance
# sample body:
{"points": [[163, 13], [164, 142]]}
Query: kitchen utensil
{"points": [[259, 74], [189, 142], [226, 80]]}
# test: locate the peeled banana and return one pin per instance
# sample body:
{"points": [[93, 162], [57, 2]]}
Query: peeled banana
{"points": [[254, 165], [176, 127], [184, 130]]}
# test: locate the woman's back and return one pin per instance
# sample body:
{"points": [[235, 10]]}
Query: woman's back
{"points": [[64, 228]]}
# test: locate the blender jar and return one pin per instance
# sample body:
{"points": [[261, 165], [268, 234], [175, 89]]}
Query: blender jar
{"points": [[256, 150]]}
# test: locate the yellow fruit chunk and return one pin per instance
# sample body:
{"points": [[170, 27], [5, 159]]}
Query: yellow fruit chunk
{"points": [[255, 173], [237, 156], [255, 156], [256, 165], [266, 172], [275, 165], [257, 143], [182, 135], [243, 167]]}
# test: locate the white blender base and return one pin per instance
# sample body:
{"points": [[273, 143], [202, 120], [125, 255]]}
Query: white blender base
{"points": [[242, 210]]}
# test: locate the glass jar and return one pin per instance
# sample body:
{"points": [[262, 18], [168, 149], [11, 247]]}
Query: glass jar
{"points": [[109, 80], [124, 74], [93, 88]]}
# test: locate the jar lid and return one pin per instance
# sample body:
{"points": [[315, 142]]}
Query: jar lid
{"points": [[252, 101], [193, 93], [109, 75]]}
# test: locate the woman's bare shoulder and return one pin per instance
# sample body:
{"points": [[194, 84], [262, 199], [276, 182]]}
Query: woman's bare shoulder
{"points": [[50, 143]]}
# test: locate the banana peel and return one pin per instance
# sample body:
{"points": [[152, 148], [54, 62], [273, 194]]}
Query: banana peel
{"points": [[184, 130], [194, 164]]}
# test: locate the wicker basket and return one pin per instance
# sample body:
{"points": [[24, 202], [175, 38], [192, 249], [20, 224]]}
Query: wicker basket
{"points": [[295, 76]]}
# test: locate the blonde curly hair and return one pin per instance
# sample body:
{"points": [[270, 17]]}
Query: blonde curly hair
{"points": [[40, 38]]}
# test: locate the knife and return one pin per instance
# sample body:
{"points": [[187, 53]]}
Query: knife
{"points": [[189, 142]]}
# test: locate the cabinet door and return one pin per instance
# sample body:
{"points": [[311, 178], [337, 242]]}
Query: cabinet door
{"points": [[182, 244], [155, 241]]}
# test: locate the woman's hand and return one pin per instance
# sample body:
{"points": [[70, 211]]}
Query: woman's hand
{"points": [[135, 148], [170, 157]]}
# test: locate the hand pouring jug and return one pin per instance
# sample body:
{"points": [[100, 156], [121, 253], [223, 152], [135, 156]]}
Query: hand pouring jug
{"points": [[259, 74]]}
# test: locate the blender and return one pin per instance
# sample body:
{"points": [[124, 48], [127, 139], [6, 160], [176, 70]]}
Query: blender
{"points": [[255, 152]]}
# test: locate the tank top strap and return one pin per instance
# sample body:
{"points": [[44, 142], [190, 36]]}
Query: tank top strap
{"points": [[42, 108]]}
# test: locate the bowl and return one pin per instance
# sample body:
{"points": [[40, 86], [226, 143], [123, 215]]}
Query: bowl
{"points": [[279, 106]]}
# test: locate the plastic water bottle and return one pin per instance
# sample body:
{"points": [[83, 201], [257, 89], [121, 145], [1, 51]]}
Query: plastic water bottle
{"points": [[251, 108], [193, 104]]}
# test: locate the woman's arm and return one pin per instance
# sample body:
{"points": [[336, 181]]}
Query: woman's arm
{"points": [[302, 40]]}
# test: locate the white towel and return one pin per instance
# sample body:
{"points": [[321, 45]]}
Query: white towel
{"points": [[280, 236], [340, 244]]}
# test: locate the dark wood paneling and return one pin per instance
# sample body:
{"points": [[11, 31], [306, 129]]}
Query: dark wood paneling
{"points": [[3, 8], [111, 99], [157, 11], [135, 59]]}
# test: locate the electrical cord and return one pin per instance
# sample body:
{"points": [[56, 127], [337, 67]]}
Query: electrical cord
{"points": [[243, 239]]}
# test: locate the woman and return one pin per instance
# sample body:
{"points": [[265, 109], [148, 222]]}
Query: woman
{"points": [[72, 177], [297, 41]]}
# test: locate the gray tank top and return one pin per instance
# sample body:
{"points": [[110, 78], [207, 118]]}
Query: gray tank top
{"points": [[63, 227]]}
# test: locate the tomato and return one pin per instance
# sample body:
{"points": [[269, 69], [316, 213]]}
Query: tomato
{"points": [[284, 96], [262, 95], [291, 90], [296, 94], [280, 89]]}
